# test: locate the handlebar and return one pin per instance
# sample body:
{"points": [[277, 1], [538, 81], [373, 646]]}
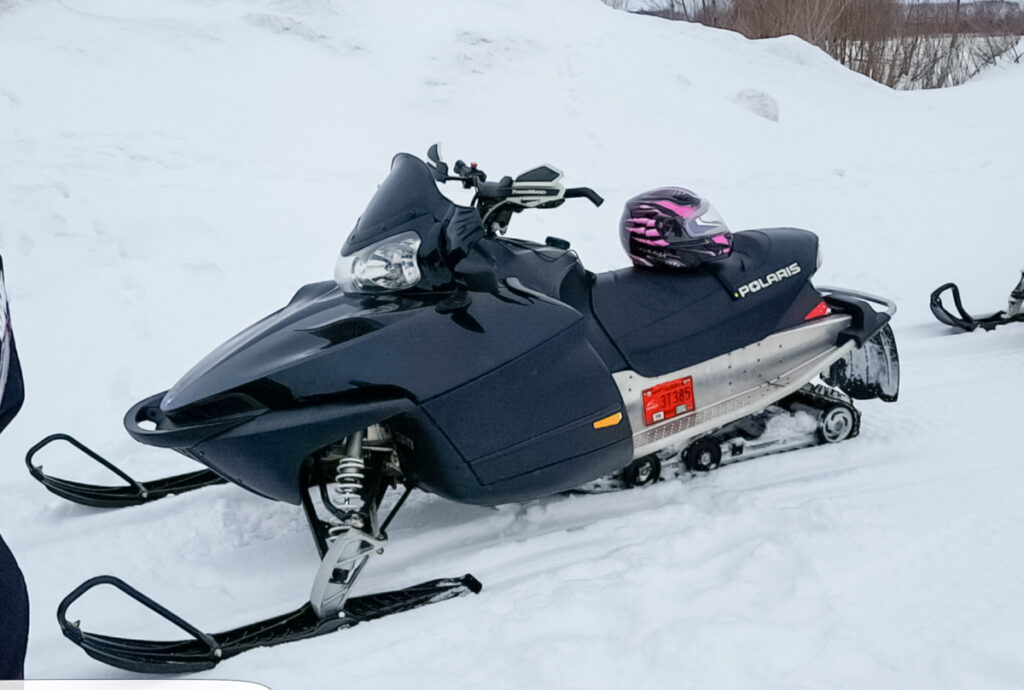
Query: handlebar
{"points": [[497, 201], [584, 192]]}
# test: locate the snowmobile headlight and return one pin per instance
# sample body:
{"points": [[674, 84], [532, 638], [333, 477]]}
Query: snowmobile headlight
{"points": [[385, 266]]}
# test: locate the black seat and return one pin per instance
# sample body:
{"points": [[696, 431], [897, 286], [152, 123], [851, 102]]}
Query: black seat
{"points": [[665, 320]]}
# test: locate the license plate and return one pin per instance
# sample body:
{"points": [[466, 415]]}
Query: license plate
{"points": [[668, 400]]}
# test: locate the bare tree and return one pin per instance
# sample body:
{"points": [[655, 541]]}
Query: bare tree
{"points": [[900, 43]]}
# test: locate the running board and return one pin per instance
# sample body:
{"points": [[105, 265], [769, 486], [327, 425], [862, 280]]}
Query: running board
{"points": [[204, 651], [749, 438]]}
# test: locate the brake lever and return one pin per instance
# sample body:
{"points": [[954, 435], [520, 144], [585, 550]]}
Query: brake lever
{"points": [[470, 175]]}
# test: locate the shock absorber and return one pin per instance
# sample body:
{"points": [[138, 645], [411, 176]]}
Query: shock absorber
{"points": [[349, 476], [352, 533]]}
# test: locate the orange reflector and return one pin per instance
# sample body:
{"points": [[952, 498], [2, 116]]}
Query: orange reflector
{"points": [[608, 421], [819, 311]]}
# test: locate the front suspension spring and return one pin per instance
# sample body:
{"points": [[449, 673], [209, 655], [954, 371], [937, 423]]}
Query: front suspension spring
{"points": [[346, 495]]}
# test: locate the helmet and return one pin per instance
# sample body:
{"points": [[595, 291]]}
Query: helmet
{"points": [[673, 227]]}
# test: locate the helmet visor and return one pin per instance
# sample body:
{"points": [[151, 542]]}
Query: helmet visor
{"points": [[705, 222]]}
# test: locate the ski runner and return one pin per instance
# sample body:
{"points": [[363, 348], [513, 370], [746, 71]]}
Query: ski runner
{"points": [[1014, 309]]}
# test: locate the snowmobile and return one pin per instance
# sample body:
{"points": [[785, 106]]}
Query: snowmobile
{"points": [[13, 595], [12, 386], [449, 358], [11, 383], [964, 321]]}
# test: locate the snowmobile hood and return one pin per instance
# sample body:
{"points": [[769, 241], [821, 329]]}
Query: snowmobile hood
{"points": [[318, 318], [325, 344]]}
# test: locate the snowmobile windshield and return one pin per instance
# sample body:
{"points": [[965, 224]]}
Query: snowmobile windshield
{"points": [[400, 240], [407, 194]]}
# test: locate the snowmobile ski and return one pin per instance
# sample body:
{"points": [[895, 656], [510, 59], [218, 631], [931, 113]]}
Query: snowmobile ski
{"points": [[964, 321], [204, 651], [100, 496], [341, 501]]}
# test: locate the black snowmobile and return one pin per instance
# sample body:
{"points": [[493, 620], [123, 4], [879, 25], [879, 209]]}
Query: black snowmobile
{"points": [[964, 321], [13, 595], [12, 385], [488, 370]]}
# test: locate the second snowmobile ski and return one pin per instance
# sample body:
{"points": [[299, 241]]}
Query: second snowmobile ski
{"points": [[966, 322]]}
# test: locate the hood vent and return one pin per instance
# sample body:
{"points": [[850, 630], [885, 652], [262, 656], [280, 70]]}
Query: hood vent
{"points": [[345, 330], [213, 408]]}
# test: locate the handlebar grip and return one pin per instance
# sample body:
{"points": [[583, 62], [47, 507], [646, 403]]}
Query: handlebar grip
{"points": [[584, 192]]}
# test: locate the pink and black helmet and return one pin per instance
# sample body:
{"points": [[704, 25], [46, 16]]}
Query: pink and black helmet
{"points": [[672, 227]]}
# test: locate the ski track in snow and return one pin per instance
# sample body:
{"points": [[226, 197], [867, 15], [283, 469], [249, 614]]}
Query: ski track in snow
{"points": [[171, 171]]}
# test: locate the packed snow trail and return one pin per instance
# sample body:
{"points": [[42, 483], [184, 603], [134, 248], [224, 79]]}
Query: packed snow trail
{"points": [[172, 171]]}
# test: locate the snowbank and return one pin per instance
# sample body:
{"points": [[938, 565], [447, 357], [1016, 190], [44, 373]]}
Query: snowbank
{"points": [[172, 170]]}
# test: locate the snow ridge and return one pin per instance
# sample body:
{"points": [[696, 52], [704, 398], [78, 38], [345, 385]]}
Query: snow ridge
{"points": [[171, 171]]}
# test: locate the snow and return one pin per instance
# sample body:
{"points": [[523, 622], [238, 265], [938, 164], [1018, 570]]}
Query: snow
{"points": [[171, 171]]}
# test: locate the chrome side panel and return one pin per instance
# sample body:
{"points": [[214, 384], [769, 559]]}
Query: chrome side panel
{"points": [[735, 384]]}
